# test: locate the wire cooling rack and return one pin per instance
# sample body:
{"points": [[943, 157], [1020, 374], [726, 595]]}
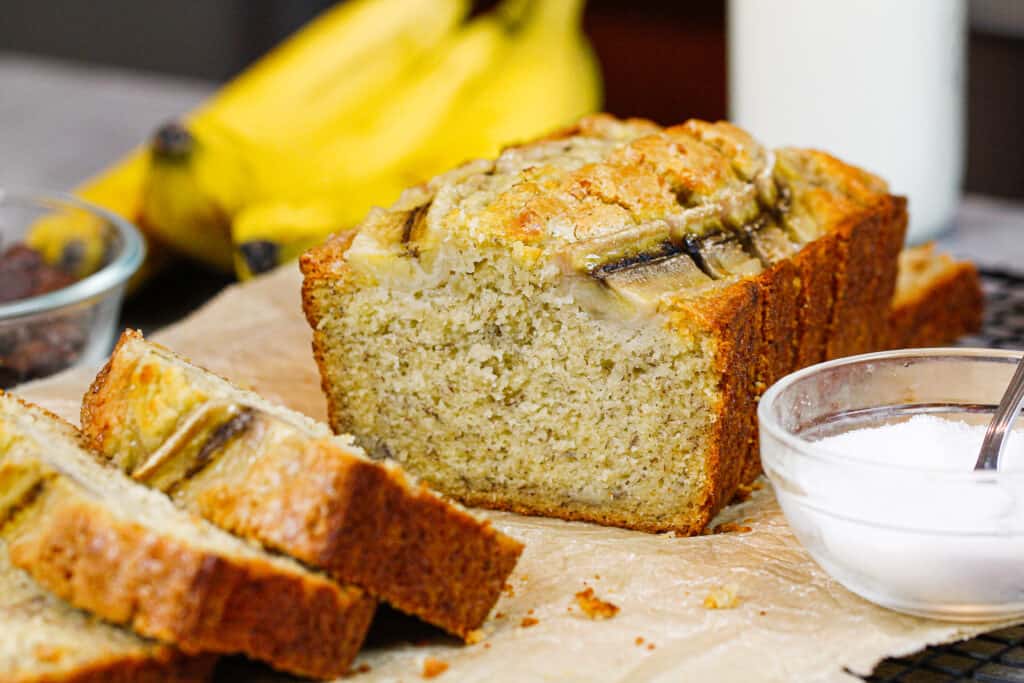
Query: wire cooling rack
{"points": [[996, 657]]}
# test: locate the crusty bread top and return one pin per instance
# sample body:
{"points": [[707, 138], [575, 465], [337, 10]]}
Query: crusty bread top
{"points": [[604, 176]]}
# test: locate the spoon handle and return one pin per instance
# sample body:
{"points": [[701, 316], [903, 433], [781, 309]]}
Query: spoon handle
{"points": [[994, 443]]}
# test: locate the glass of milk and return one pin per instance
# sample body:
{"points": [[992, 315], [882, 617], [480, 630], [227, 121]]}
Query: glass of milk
{"points": [[878, 83]]}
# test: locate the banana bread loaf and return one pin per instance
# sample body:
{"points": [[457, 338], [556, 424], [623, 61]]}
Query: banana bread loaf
{"points": [[125, 553], [44, 639], [284, 480], [581, 327]]}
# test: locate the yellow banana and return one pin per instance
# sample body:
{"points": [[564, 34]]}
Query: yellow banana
{"points": [[346, 59], [198, 178], [547, 79], [267, 234], [381, 138]]}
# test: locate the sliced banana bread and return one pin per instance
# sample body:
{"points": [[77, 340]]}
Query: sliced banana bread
{"points": [[937, 300], [284, 480], [581, 327], [42, 638], [129, 555]]}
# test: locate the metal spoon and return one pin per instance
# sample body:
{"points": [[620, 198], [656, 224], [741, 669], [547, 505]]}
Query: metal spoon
{"points": [[994, 443]]}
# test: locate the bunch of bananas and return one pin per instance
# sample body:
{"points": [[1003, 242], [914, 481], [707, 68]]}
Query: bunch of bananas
{"points": [[369, 98]]}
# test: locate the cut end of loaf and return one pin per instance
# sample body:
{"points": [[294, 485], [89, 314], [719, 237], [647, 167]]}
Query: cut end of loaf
{"points": [[497, 388]]}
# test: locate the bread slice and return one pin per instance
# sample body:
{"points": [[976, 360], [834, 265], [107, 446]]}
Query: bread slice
{"points": [[125, 553], [45, 639], [284, 480], [581, 327], [937, 299]]}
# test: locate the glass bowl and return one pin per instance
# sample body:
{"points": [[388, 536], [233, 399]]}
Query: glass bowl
{"points": [[46, 333], [925, 541]]}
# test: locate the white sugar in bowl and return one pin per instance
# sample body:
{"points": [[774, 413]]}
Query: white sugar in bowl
{"points": [[872, 457]]}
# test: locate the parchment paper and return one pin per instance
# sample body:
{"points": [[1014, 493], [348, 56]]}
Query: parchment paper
{"points": [[792, 623]]}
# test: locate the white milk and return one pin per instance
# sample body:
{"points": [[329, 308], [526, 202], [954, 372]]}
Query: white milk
{"points": [[879, 83]]}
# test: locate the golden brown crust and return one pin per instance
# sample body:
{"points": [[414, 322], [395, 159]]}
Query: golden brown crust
{"points": [[937, 307], [733, 317], [165, 666], [168, 590], [814, 266], [367, 525], [362, 521], [869, 246]]}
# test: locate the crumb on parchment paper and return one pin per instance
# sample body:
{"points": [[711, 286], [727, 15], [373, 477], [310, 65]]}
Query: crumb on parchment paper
{"points": [[594, 607], [744, 491], [527, 622], [433, 667], [475, 636], [729, 527], [722, 597]]}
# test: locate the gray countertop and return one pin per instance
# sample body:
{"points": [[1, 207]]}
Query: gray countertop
{"points": [[60, 123]]}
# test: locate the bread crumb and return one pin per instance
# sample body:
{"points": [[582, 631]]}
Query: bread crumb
{"points": [[639, 640], [762, 613], [727, 527], [744, 491], [475, 636], [594, 607], [361, 669], [722, 597], [650, 646], [433, 667], [499, 615], [487, 646], [509, 590], [529, 611], [527, 622]]}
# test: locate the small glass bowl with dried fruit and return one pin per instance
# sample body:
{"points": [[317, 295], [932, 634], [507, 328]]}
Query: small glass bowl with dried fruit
{"points": [[64, 265]]}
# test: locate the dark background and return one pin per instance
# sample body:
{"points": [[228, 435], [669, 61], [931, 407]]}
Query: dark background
{"points": [[662, 59]]}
